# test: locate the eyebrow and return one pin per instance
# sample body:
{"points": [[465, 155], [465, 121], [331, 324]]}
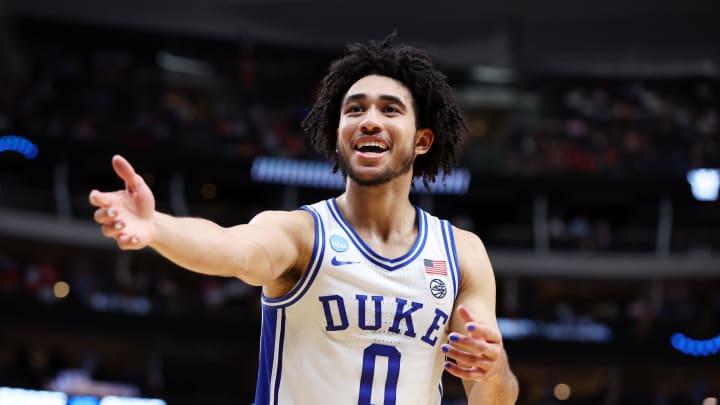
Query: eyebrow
{"points": [[384, 97]]}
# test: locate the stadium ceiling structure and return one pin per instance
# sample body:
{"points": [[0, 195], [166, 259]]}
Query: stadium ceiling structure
{"points": [[660, 37]]}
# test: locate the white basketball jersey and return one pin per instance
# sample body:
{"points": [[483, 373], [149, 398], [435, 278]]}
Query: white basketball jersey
{"points": [[360, 328]]}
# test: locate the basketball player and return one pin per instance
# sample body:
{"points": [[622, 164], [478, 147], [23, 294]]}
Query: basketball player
{"points": [[366, 298]]}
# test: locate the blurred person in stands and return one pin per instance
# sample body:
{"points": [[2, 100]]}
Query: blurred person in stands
{"points": [[366, 298]]}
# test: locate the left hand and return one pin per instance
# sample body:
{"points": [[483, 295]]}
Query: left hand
{"points": [[477, 352]]}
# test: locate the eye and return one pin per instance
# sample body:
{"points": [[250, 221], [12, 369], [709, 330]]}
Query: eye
{"points": [[392, 109], [353, 109]]}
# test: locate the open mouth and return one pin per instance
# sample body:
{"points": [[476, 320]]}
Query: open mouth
{"points": [[371, 147]]}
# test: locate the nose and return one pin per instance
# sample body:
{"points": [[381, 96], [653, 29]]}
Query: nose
{"points": [[371, 122]]}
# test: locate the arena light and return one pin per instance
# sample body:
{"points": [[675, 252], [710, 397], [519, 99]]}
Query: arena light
{"points": [[562, 392], [492, 74], [83, 400], [523, 328], [311, 173], [21, 396], [111, 400], [294, 172], [704, 183], [181, 64], [20, 145], [695, 347]]}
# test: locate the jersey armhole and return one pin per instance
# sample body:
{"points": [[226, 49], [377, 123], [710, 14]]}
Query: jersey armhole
{"points": [[451, 252], [310, 272]]}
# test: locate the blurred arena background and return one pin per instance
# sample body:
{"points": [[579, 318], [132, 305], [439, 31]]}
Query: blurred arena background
{"points": [[592, 122]]}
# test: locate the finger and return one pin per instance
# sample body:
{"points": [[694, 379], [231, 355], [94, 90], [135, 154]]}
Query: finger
{"points": [[483, 331], [112, 229], [125, 171], [467, 359], [98, 199], [103, 215], [125, 242], [478, 347], [466, 373]]}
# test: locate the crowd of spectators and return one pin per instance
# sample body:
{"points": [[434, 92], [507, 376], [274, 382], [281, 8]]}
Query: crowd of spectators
{"points": [[103, 89], [137, 285], [615, 127]]}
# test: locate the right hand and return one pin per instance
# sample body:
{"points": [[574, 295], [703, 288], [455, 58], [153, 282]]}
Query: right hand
{"points": [[126, 215]]}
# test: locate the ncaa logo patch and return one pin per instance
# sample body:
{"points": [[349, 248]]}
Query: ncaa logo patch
{"points": [[338, 243], [437, 288]]}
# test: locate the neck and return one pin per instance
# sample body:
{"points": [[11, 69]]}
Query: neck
{"points": [[381, 210]]}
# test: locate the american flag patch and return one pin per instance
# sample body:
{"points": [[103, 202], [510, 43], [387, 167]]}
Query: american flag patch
{"points": [[435, 267]]}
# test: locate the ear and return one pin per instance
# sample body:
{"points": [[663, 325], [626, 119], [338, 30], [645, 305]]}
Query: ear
{"points": [[423, 140]]}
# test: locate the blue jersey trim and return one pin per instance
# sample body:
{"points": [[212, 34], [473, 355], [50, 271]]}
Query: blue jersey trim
{"points": [[311, 271], [458, 273], [369, 253], [281, 345], [267, 355], [451, 252]]}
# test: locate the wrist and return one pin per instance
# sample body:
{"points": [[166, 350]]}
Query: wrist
{"points": [[157, 222]]}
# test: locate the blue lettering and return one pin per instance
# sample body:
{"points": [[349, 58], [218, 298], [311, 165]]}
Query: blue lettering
{"points": [[407, 316], [434, 326], [361, 311], [331, 325]]}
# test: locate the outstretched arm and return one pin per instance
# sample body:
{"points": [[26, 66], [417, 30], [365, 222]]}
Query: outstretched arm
{"points": [[475, 340], [259, 252]]}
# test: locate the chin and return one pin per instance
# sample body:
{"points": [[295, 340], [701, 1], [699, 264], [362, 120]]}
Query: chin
{"points": [[377, 179]]}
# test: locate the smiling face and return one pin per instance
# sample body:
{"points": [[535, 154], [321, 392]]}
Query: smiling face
{"points": [[377, 139]]}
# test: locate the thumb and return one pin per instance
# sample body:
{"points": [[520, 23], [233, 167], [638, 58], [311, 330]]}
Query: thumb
{"points": [[478, 328], [465, 314], [125, 171]]}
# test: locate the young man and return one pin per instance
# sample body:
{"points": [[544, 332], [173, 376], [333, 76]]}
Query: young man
{"points": [[365, 297]]}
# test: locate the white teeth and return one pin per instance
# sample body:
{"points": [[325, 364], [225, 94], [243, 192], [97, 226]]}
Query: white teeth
{"points": [[372, 143]]}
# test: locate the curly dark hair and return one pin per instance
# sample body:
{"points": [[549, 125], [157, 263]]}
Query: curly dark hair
{"points": [[434, 101]]}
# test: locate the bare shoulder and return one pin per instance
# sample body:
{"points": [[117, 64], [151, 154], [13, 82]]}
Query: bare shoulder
{"points": [[285, 239], [472, 256], [469, 246], [296, 227]]}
